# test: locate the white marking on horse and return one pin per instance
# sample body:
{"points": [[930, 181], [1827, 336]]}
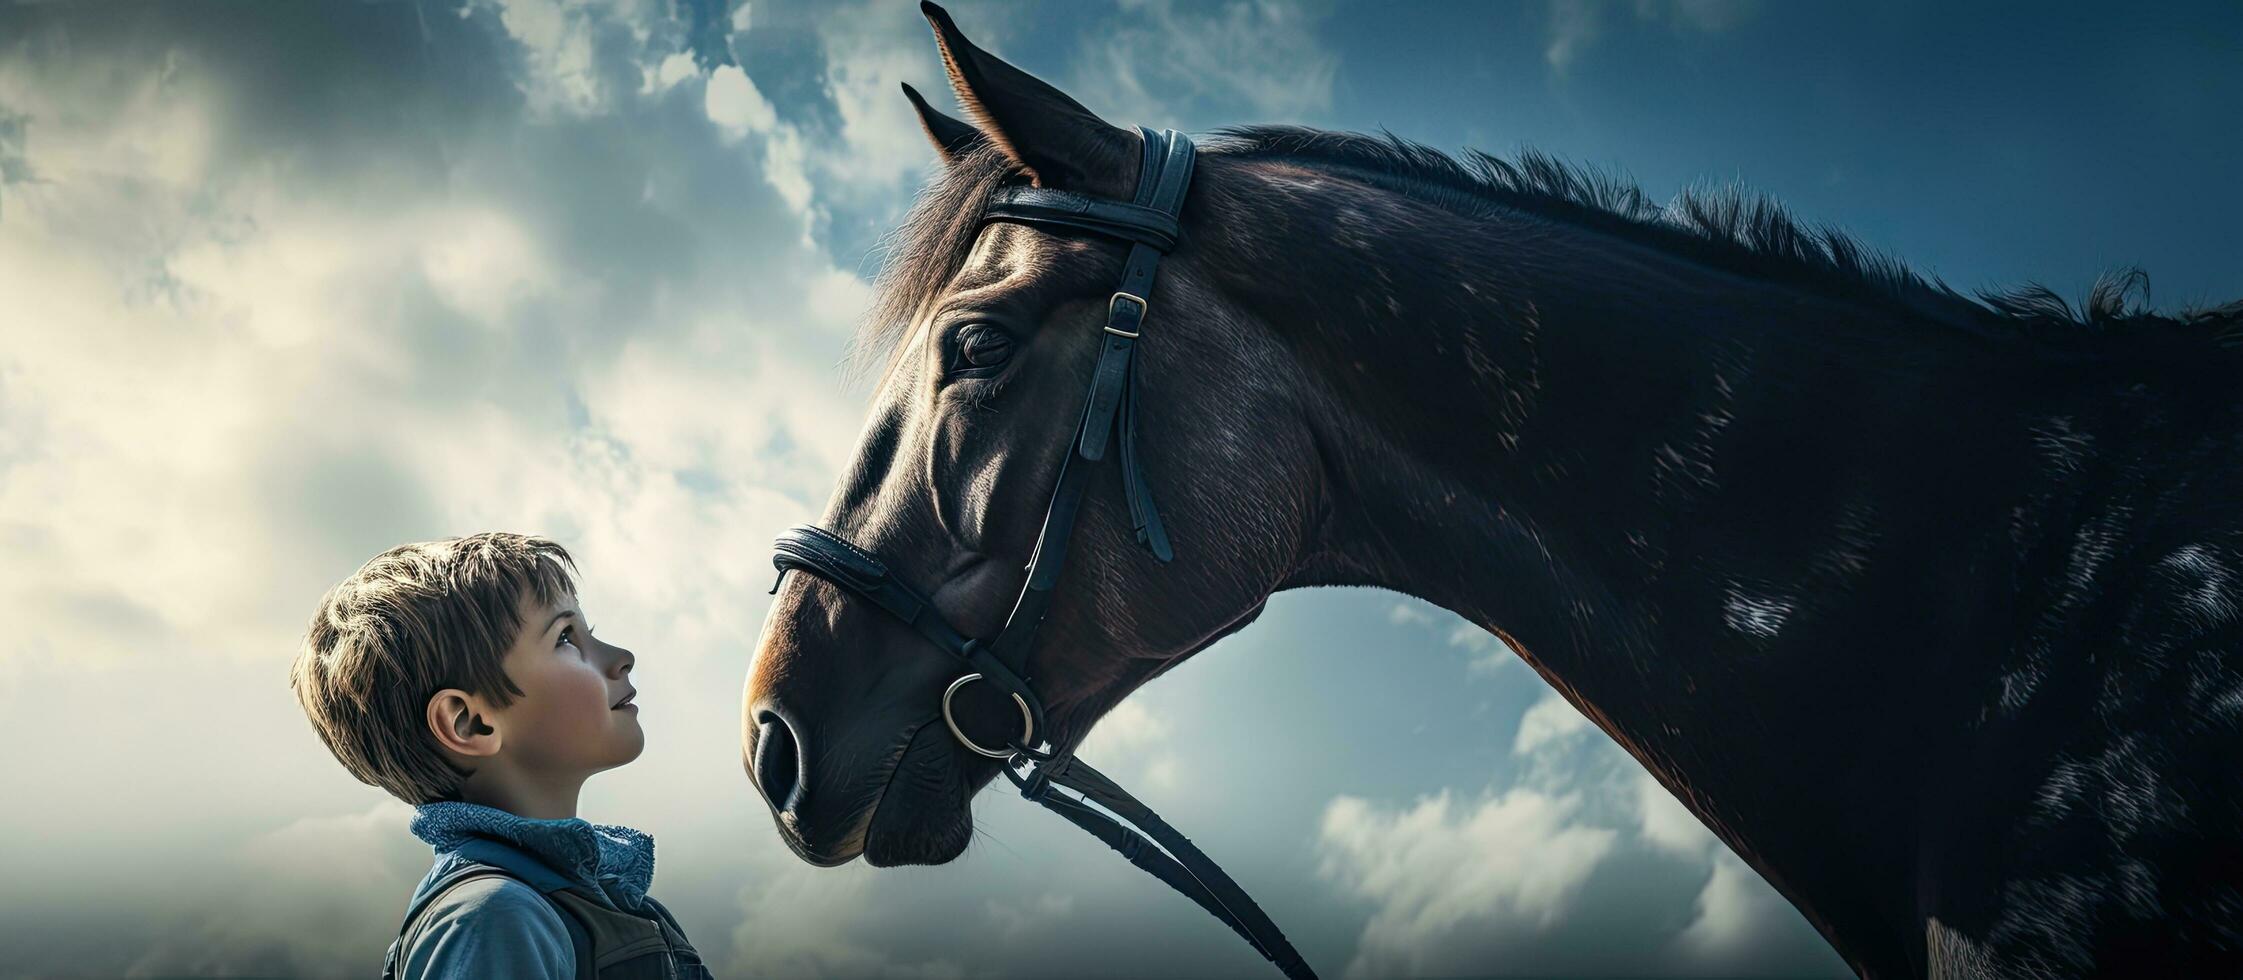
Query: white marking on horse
{"points": [[1761, 616], [2211, 599], [2063, 445]]}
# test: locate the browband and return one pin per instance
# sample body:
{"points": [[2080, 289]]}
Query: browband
{"points": [[1043, 205], [1150, 219]]}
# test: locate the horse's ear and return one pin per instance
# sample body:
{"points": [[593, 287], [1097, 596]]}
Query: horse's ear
{"points": [[1050, 136], [952, 139]]}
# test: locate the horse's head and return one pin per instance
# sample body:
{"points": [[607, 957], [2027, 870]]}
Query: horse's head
{"points": [[995, 328]]}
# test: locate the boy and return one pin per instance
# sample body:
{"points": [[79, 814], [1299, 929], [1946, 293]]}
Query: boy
{"points": [[460, 676]]}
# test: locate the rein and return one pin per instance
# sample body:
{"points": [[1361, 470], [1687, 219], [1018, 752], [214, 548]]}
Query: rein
{"points": [[1150, 223]]}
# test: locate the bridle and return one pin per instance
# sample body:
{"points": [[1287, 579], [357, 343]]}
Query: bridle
{"points": [[1150, 224]]}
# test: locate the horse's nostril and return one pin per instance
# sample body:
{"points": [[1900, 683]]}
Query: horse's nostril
{"points": [[776, 762]]}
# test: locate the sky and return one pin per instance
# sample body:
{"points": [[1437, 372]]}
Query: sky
{"points": [[284, 284]]}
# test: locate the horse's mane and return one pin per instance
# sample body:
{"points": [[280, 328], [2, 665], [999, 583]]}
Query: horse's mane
{"points": [[925, 250], [1722, 227]]}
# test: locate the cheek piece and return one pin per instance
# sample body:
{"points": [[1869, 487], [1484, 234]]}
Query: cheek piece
{"points": [[1149, 224]]}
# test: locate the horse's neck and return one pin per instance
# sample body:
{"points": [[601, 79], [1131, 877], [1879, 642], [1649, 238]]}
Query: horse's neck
{"points": [[1684, 498]]}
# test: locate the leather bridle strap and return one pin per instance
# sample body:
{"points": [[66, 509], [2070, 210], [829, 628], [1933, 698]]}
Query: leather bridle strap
{"points": [[1043, 206], [1189, 871], [1164, 175], [1150, 224], [834, 559]]}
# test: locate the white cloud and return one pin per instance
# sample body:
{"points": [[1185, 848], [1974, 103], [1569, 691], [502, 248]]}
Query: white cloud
{"points": [[1486, 652], [1194, 65], [307, 899], [786, 167], [1572, 26], [1666, 824], [1549, 720], [1489, 654], [674, 69], [483, 262], [1130, 738], [736, 106], [879, 143], [1411, 611], [1737, 914], [1127, 730], [1515, 861], [1705, 16], [561, 42], [1455, 885], [239, 361], [267, 369], [157, 126], [816, 922], [1014, 921]]}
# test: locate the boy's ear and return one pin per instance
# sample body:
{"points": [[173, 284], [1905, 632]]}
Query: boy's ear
{"points": [[456, 718]]}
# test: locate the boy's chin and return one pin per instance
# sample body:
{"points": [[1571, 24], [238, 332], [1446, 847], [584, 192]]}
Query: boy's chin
{"points": [[630, 741]]}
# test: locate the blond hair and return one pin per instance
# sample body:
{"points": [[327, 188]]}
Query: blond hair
{"points": [[414, 620]]}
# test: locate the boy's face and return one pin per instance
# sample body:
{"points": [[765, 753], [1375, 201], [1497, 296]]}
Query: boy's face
{"points": [[567, 720]]}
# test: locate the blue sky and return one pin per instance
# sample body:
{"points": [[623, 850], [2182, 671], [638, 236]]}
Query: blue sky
{"points": [[290, 283]]}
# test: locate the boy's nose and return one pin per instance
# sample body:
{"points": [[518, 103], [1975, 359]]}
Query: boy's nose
{"points": [[777, 762]]}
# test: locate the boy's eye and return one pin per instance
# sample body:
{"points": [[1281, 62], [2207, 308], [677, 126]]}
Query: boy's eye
{"points": [[566, 630]]}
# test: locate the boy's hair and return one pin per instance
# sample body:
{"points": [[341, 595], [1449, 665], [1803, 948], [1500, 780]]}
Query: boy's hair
{"points": [[414, 620]]}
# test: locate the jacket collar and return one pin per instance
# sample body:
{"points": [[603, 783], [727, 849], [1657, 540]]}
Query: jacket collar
{"points": [[610, 859]]}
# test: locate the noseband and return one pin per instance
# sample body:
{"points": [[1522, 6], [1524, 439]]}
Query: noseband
{"points": [[1150, 224]]}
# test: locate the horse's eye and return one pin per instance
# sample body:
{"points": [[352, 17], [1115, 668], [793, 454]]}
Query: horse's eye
{"points": [[982, 345]]}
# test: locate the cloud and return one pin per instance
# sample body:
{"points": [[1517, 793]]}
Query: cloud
{"points": [[1572, 26], [857, 160], [1737, 921], [1489, 654], [1015, 921], [814, 922], [734, 104], [1666, 824], [570, 47], [1131, 739], [1412, 611], [1528, 874], [1705, 16], [1737, 916], [1548, 721], [1511, 863], [290, 284], [1486, 652], [306, 899], [1192, 66], [878, 142], [287, 369]]}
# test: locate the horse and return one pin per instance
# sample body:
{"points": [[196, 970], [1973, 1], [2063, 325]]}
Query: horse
{"points": [[1929, 607]]}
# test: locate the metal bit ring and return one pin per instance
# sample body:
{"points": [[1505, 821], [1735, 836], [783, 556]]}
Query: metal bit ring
{"points": [[1027, 721]]}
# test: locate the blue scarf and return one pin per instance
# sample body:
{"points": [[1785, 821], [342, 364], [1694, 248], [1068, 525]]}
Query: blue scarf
{"points": [[613, 859]]}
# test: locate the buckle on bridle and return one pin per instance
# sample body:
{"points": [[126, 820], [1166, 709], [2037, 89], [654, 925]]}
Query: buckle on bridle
{"points": [[1114, 301], [1027, 721]]}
